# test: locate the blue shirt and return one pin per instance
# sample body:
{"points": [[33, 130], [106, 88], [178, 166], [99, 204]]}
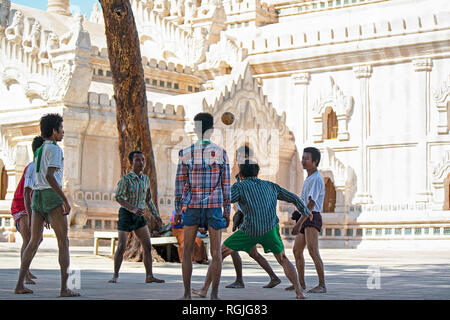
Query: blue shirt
{"points": [[172, 220]]}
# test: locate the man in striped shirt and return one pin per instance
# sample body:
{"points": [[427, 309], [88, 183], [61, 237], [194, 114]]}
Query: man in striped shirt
{"points": [[135, 198], [202, 188], [258, 201], [245, 153]]}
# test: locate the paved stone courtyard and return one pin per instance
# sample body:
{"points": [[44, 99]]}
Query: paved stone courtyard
{"points": [[403, 275]]}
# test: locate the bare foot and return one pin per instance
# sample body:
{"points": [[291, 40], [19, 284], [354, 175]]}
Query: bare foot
{"points": [[153, 279], [114, 279], [273, 283], [201, 293], [318, 289], [31, 276], [68, 293], [236, 285], [300, 295], [290, 288], [29, 281], [293, 288], [22, 290], [203, 262]]}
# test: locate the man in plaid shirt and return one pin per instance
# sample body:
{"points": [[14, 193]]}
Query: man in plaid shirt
{"points": [[202, 188]]}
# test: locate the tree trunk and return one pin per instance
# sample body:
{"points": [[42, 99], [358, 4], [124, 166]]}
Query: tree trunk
{"points": [[130, 95]]}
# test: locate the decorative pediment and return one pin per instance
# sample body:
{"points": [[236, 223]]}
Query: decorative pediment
{"points": [[341, 104], [47, 66], [256, 122], [335, 98]]}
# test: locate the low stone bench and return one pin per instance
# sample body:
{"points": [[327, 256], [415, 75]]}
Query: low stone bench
{"points": [[113, 236], [156, 241]]}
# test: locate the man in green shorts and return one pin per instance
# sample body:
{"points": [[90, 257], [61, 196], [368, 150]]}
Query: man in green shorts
{"points": [[49, 204], [258, 201], [135, 199]]}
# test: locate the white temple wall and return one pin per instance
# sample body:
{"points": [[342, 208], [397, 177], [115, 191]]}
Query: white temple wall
{"points": [[402, 142], [101, 164]]}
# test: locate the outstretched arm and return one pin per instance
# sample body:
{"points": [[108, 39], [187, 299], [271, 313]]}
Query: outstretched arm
{"points": [[290, 197]]}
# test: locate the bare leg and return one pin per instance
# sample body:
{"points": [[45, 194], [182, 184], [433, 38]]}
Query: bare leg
{"points": [[58, 222], [118, 256], [37, 227], [274, 280], [208, 279], [215, 237], [237, 262], [312, 242], [299, 247], [190, 232], [25, 232], [144, 238], [290, 273]]}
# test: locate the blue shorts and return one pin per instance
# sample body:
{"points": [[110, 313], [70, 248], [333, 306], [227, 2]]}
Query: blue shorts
{"points": [[205, 217]]}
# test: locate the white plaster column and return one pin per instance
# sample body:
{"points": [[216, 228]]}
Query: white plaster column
{"points": [[423, 66], [302, 81], [59, 7], [363, 73], [12, 181]]}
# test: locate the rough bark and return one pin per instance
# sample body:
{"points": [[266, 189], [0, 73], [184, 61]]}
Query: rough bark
{"points": [[130, 96]]}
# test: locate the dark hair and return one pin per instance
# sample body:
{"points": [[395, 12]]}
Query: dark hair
{"points": [[37, 142], [315, 154], [245, 150], [131, 155], [206, 121], [49, 122], [249, 169]]}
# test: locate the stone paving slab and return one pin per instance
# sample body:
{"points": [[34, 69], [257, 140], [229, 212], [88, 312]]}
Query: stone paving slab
{"points": [[404, 275]]}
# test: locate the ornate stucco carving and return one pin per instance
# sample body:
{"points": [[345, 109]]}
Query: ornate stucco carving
{"points": [[5, 6], [49, 68], [15, 31], [31, 42], [96, 15], [441, 170], [342, 176], [342, 106], [223, 55], [256, 121], [441, 97]]}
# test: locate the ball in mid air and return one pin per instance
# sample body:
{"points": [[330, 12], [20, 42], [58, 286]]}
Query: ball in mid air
{"points": [[227, 118]]}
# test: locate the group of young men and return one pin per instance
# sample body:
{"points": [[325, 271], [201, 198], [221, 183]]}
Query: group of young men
{"points": [[203, 198]]}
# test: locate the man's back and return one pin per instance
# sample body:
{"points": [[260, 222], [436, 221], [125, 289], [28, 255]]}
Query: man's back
{"points": [[203, 176]]}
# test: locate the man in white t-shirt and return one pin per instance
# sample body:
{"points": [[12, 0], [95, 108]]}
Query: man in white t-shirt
{"points": [[313, 193], [49, 203]]}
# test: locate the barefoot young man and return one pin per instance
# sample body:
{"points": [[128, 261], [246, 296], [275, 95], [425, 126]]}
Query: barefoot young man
{"points": [[258, 200], [307, 232], [134, 196], [21, 204], [245, 153], [49, 203], [202, 186]]}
